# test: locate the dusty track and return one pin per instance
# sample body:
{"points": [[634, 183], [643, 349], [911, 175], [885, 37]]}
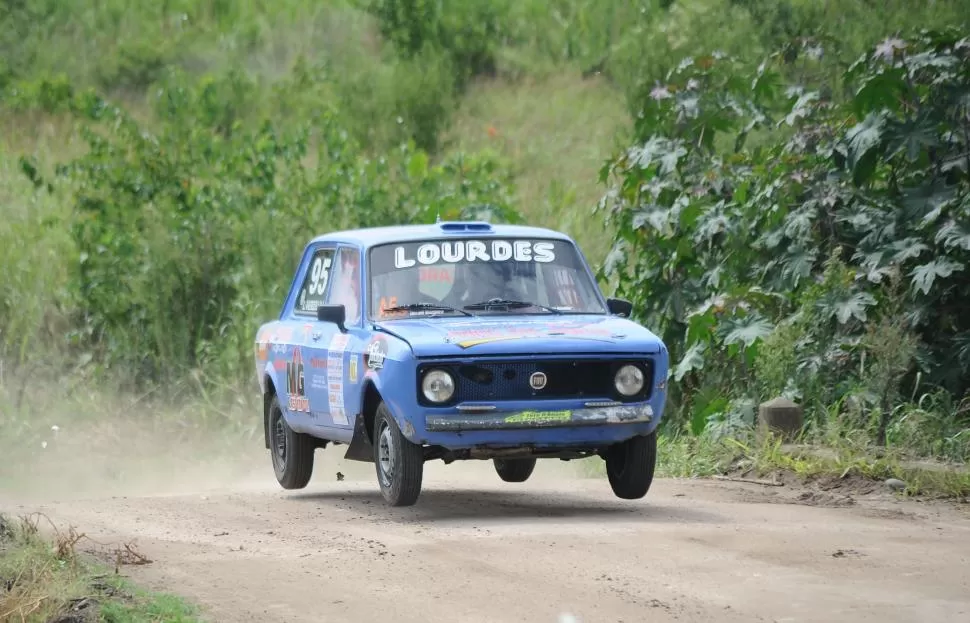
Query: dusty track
{"points": [[477, 549]]}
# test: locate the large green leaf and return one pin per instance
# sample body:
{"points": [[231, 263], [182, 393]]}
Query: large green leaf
{"points": [[797, 265], [692, 360], [748, 330], [701, 321], [880, 91], [864, 141], [705, 410], [803, 107], [655, 216], [911, 136], [953, 235], [907, 249], [616, 258], [845, 308], [925, 275]]}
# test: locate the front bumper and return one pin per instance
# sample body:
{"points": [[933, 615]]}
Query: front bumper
{"points": [[533, 419]]}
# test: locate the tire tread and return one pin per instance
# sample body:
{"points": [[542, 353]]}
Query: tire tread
{"points": [[300, 449], [514, 470], [638, 460], [406, 488]]}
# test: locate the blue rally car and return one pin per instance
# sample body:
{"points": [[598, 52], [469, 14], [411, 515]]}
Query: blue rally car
{"points": [[457, 340]]}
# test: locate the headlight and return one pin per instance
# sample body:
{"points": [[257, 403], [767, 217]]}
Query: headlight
{"points": [[629, 380], [438, 386]]}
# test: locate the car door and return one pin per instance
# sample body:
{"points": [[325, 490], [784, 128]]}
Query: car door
{"points": [[305, 377], [343, 349]]}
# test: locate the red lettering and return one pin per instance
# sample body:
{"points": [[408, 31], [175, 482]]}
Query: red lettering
{"points": [[435, 273]]}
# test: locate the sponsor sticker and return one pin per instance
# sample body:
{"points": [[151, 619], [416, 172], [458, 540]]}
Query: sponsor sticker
{"points": [[466, 338], [297, 400], [376, 353], [534, 417], [452, 252], [335, 377], [352, 372]]}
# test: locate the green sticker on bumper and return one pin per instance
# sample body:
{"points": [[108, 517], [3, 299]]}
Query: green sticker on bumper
{"points": [[539, 416]]}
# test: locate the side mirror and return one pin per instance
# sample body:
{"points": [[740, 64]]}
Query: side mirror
{"points": [[336, 314], [619, 307]]}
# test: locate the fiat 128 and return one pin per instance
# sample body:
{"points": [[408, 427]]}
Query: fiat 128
{"points": [[455, 341]]}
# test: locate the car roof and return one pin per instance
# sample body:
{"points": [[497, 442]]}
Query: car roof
{"points": [[370, 236]]}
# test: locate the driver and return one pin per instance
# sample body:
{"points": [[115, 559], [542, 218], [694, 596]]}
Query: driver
{"points": [[348, 286]]}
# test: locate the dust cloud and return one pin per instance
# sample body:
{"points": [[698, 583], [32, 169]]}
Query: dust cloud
{"points": [[139, 454]]}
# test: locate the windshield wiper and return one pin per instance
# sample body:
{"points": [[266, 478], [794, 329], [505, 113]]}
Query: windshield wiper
{"points": [[425, 306], [509, 303]]}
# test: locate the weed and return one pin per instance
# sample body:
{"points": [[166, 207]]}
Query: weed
{"points": [[46, 578]]}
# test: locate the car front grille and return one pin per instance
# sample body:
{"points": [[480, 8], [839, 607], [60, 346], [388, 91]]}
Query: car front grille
{"points": [[485, 381]]}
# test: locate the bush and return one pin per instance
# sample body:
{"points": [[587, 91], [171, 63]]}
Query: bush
{"points": [[418, 95], [186, 231], [469, 31], [789, 245]]}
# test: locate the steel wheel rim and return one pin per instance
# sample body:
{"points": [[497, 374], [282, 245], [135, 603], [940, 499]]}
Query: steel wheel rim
{"points": [[279, 439], [385, 454]]}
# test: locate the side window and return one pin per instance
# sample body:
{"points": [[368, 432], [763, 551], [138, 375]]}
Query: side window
{"points": [[346, 284], [314, 287]]}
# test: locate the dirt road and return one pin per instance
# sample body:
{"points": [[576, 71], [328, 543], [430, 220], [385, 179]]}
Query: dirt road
{"points": [[477, 549]]}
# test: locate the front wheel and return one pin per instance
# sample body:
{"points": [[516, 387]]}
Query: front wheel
{"points": [[292, 452], [630, 466], [400, 463], [514, 470]]}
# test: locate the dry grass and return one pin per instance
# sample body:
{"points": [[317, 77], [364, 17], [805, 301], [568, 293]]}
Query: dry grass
{"points": [[556, 133], [44, 576]]}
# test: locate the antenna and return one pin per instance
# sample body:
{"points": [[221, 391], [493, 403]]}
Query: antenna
{"points": [[438, 216]]}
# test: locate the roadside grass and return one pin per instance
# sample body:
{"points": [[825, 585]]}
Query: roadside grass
{"points": [[44, 577], [848, 458], [767, 456], [555, 132]]}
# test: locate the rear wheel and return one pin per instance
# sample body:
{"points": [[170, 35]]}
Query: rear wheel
{"points": [[399, 463], [292, 452], [630, 466], [514, 470]]}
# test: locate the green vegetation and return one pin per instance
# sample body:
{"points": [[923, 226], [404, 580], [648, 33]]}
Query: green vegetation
{"points": [[46, 579], [791, 214], [826, 262], [844, 460]]}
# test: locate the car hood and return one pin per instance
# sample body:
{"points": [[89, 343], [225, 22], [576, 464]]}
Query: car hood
{"points": [[522, 334]]}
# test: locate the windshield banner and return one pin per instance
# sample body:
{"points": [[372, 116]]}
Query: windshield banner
{"points": [[475, 251]]}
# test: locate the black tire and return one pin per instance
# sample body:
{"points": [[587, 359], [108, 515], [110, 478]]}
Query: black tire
{"points": [[630, 466], [292, 452], [514, 470], [399, 463]]}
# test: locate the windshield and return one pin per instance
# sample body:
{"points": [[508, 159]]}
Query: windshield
{"points": [[466, 273]]}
